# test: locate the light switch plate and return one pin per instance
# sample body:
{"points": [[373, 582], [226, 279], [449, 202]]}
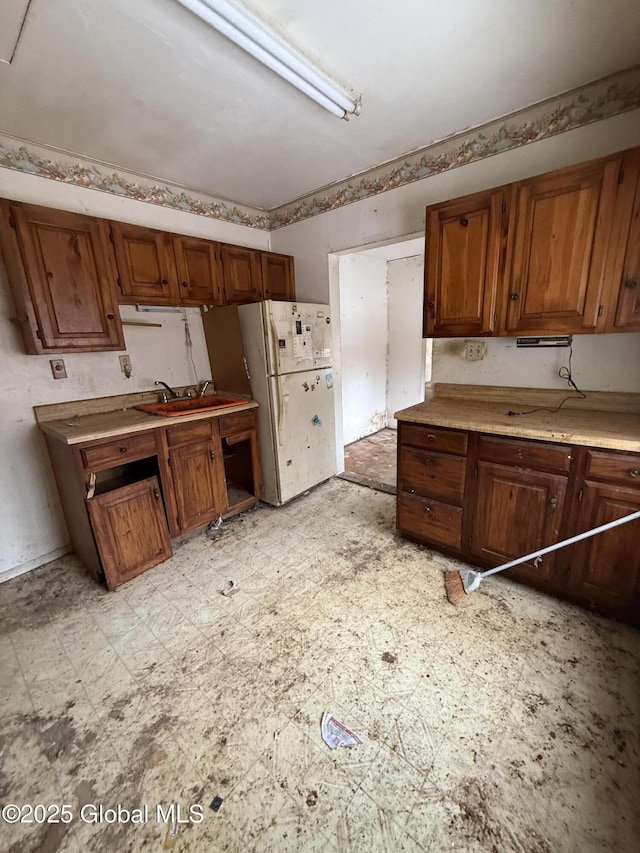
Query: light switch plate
{"points": [[125, 365], [57, 368]]}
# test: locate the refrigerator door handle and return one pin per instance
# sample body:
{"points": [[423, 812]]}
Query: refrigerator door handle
{"points": [[280, 408], [276, 347]]}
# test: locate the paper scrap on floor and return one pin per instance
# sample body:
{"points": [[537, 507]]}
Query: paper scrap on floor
{"points": [[336, 734]]}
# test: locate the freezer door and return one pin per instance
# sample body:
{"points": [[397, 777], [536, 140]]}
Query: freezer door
{"points": [[300, 336], [304, 431]]}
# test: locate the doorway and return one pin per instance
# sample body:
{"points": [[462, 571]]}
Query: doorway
{"points": [[384, 360]]}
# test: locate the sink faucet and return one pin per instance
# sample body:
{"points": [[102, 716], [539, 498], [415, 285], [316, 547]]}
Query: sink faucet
{"points": [[174, 396], [203, 387]]}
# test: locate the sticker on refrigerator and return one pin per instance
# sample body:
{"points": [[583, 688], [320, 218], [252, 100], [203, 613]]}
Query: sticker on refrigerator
{"points": [[301, 341], [329, 379], [326, 352], [315, 420]]}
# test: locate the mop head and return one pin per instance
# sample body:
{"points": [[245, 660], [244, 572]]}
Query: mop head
{"points": [[460, 584]]}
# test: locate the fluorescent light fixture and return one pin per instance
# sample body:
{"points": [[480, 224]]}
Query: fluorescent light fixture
{"points": [[230, 20]]}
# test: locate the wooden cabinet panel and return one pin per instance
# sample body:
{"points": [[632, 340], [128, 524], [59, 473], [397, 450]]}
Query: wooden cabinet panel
{"points": [[242, 274], [198, 475], [146, 265], [464, 244], [605, 569], [126, 449], [430, 520], [277, 276], [516, 511], [130, 530], [625, 269], [623, 468], [238, 422], [434, 438], [526, 454], [431, 474], [199, 271], [559, 235], [60, 269]]}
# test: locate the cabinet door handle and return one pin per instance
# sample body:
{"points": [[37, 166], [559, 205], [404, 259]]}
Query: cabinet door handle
{"points": [[165, 281], [111, 316], [185, 284], [427, 509], [212, 454], [630, 283], [156, 494], [514, 296], [464, 222], [634, 472], [431, 437], [554, 503], [123, 449]]}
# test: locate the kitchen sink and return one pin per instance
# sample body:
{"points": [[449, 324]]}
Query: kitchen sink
{"points": [[173, 408]]}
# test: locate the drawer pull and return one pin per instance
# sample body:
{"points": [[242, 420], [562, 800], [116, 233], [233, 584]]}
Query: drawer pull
{"points": [[431, 437], [634, 472], [554, 503], [156, 494], [427, 509], [212, 454], [630, 283], [428, 462], [123, 448]]}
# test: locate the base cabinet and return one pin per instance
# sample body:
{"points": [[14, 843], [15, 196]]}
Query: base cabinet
{"points": [[511, 497], [130, 530]]}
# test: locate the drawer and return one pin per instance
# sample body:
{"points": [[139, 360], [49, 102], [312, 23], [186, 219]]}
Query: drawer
{"points": [[192, 433], [525, 454], [430, 520], [117, 452], [619, 468], [434, 438], [237, 422], [434, 475]]}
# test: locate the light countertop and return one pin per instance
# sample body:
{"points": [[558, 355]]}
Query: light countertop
{"points": [[608, 420], [109, 417]]}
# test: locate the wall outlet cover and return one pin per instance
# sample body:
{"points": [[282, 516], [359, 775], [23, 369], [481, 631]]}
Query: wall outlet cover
{"points": [[57, 368], [474, 350]]}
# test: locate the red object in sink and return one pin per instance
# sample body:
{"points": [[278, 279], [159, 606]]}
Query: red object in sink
{"points": [[174, 408]]}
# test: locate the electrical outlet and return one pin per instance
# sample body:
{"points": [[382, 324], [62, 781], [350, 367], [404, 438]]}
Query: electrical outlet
{"points": [[57, 368], [125, 365], [474, 350]]}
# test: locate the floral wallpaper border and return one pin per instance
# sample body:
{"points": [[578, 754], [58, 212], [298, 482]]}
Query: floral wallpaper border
{"points": [[600, 100], [47, 163], [603, 99]]}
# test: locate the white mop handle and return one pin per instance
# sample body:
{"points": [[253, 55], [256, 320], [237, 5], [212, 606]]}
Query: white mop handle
{"points": [[564, 542]]}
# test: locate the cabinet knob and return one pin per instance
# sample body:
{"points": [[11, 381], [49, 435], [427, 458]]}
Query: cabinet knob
{"points": [[427, 509], [185, 284], [156, 494], [431, 437], [554, 503], [165, 281], [514, 296], [464, 222], [123, 449], [634, 472], [111, 316], [212, 454], [630, 283], [428, 462]]}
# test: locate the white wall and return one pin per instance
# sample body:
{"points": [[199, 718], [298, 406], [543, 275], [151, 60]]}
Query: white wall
{"points": [[32, 529], [363, 325], [599, 363], [406, 364], [400, 213]]}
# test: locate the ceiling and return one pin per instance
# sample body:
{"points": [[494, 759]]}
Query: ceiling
{"points": [[148, 87]]}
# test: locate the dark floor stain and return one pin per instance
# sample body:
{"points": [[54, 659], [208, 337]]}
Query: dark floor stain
{"points": [[312, 799], [387, 657]]}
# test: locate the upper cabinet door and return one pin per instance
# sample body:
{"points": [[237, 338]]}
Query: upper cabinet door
{"points": [[146, 265], [558, 238], [277, 276], [464, 243], [624, 273], [242, 274], [199, 271], [61, 272]]}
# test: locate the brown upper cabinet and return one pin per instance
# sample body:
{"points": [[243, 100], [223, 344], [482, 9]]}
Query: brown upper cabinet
{"points": [[464, 250], [242, 274], [277, 277], [158, 268], [60, 268], [555, 254]]}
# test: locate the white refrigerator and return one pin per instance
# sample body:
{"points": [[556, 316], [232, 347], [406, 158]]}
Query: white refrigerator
{"points": [[287, 347]]}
